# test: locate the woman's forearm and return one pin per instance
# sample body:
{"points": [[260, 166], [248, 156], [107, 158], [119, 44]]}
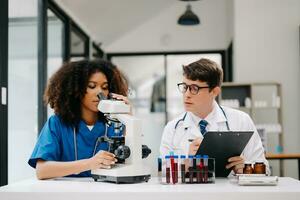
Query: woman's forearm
{"points": [[54, 169]]}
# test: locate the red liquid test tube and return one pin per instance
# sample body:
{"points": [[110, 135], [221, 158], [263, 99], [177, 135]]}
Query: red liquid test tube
{"points": [[172, 168], [167, 169], [191, 169], [182, 168], [175, 180], [205, 165]]}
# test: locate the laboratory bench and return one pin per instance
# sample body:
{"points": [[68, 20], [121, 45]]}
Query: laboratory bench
{"points": [[86, 188]]}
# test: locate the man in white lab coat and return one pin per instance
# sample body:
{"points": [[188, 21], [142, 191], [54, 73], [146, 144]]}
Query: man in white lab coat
{"points": [[200, 86]]}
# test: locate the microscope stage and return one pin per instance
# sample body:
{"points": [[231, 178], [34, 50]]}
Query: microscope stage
{"points": [[122, 179], [123, 173]]}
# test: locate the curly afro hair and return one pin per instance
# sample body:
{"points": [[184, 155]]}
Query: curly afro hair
{"points": [[67, 87]]}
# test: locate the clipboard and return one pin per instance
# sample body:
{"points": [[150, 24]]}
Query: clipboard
{"points": [[222, 145]]}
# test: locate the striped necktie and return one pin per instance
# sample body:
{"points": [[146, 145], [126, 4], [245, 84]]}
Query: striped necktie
{"points": [[203, 123]]}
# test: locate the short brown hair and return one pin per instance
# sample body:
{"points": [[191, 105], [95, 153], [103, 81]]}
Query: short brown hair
{"points": [[204, 70]]}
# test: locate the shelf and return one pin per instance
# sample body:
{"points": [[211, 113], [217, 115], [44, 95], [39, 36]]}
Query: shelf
{"points": [[230, 92], [249, 108], [267, 107]]}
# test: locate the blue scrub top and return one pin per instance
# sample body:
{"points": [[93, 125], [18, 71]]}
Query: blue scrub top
{"points": [[56, 142]]}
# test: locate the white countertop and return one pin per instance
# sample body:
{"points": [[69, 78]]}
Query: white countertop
{"points": [[86, 188]]}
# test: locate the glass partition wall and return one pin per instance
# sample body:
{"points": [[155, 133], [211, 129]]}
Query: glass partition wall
{"points": [[79, 44], [22, 84], [39, 42]]}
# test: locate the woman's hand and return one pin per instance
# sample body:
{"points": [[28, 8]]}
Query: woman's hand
{"points": [[102, 159], [53, 169], [194, 146], [120, 97], [237, 163], [123, 98]]}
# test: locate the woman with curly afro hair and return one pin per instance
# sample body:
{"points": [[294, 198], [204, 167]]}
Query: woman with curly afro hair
{"points": [[67, 145]]}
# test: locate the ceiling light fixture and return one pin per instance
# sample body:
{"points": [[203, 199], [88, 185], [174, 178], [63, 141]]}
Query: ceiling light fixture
{"points": [[188, 17]]}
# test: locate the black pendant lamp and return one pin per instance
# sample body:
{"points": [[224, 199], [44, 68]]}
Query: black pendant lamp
{"points": [[188, 17]]}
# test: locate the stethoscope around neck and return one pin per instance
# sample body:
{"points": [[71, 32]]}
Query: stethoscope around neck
{"points": [[182, 119], [99, 139]]}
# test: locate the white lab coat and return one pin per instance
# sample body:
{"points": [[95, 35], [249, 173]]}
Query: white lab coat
{"points": [[176, 140]]}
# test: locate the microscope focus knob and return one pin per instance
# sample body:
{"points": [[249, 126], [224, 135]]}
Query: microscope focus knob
{"points": [[145, 151], [122, 152]]}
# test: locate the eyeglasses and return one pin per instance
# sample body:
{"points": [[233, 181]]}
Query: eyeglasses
{"points": [[194, 89]]}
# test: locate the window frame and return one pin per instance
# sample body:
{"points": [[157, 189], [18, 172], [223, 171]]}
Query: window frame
{"points": [[69, 25]]}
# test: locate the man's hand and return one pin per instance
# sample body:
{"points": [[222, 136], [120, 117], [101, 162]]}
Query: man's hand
{"points": [[194, 146], [237, 163]]}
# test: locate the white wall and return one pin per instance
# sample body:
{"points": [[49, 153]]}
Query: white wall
{"points": [[162, 33], [266, 48]]}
